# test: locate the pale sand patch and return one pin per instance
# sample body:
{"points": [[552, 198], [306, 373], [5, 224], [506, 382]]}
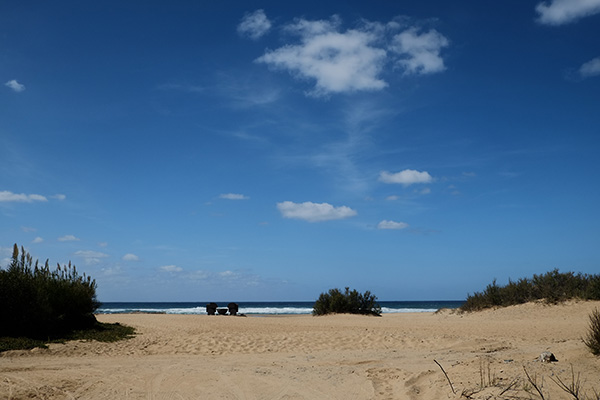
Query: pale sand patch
{"points": [[303, 357]]}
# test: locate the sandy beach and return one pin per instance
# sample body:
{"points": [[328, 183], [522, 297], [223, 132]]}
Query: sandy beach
{"points": [[304, 357]]}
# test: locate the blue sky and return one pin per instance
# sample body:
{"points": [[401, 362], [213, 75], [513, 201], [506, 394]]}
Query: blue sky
{"points": [[268, 150]]}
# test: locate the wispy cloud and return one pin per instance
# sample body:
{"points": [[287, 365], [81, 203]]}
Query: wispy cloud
{"points": [[7, 197], [14, 85], [386, 224], [90, 257], [254, 25], [233, 196], [590, 68], [560, 12], [406, 177], [170, 268], [420, 52], [182, 87], [68, 238], [38, 240], [353, 60], [314, 212], [130, 257]]}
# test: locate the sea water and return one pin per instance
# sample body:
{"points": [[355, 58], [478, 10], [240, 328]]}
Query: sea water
{"points": [[270, 307]]}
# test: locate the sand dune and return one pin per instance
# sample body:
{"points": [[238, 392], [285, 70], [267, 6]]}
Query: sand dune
{"points": [[303, 357]]}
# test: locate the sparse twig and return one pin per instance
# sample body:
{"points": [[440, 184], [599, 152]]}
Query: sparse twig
{"points": [[574, 388], [511, 385], [534, 383], [445, 374]]}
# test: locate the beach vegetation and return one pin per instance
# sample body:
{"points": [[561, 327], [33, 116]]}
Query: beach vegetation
{"points": [[348, 302], [38, 305], [592, 340], [552, 287]]}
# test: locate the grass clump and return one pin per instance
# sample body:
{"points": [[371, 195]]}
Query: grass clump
{"points": [[552, 287], [348, 302], [592, 340]]}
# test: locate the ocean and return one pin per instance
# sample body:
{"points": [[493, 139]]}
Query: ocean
{"points": [[269, 307]]}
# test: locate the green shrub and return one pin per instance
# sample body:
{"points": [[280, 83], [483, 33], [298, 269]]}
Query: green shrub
{"points": [[38, 303], [592, 340], [552, 287], [348, 302]]}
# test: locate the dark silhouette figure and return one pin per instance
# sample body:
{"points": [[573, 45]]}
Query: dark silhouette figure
{"points": [[233, 308], [211, 308]]}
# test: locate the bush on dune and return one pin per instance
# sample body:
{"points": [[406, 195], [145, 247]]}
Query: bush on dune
{"points": [[348, 302], [38, 303], [552, 287], [592, 340]]}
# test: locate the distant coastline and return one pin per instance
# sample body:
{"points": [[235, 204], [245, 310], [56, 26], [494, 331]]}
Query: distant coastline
{"points": [[268, 307]]}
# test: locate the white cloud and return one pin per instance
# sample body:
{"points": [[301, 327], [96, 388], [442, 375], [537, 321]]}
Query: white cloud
{"points": [[392, 198], [170, 268], [68, 238], [59, 197], [14, 85], [420, 53], [254, 25], [559, 12], [6, 196], [130, 257], [314, 212], [385, 224], [90, 257], [590, 68], [38, 240], [406, 177], [353, 60], [233, 196], [338, 62]]}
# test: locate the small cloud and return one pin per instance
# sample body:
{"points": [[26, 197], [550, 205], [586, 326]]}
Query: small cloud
{"points": [[90, 257], [14, 85], [59, 197], [254, 25], [68, 238], [338, 61], [420, 53], [28, 229], [6, 197], [386, 224], [352, 60], [37, 240], [560, 12], [102, 244], [406, 177], [170, 268], [314, 212], [590, 68], [423, 191], [454, 190], [130, 257], [233, 196], [392, 198]]}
